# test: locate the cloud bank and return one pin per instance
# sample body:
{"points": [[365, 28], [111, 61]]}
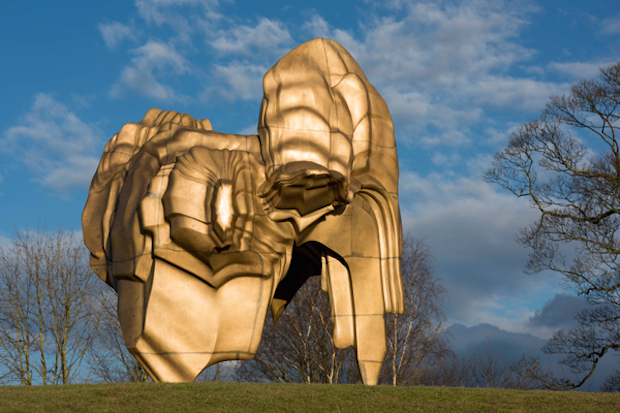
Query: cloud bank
{"points": [[54, 144]]}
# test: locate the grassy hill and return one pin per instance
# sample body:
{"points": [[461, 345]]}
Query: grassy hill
{"points": [[249, 397]]}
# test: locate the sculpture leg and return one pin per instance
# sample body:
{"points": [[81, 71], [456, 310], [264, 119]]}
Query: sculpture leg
{"points": [[357, 311], [336, 281], [357, 244], [180, 325], [242, 305], [176, 325], [369, 320]]}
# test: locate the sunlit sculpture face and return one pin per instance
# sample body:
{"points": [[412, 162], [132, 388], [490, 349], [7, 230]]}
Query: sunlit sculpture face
{"points": [[214, 213], [200, 232]]}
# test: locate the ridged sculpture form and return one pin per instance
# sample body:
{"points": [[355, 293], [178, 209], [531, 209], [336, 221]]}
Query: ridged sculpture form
{"points": [[200, 232]]}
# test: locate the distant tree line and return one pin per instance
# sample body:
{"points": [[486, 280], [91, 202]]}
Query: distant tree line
{"points": [[58, 325]]}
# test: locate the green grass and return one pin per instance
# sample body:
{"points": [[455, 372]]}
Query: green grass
{"points": [[249, 397]]}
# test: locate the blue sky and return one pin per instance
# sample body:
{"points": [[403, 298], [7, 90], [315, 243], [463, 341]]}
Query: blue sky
{"points": [[458, 77]]}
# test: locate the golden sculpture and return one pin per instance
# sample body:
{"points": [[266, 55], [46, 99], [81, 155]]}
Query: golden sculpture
{"points": [[200, 232]]}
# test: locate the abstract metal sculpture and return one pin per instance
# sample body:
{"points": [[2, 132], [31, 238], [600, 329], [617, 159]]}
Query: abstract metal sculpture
{"points": [[200, 232]]}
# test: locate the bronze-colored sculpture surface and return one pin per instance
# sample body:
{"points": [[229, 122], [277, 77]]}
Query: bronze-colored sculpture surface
{"points": [[200, 232]]}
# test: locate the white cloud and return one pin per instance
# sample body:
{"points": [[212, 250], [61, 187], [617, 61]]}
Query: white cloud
{"points": [[534, 70], [445, 160], [55, 145], [317, 26], [240, 81], [418, 110], [611, 25], [470, 229], [173, 12], [139, 76], [410, 103], [113, 33], [578, 70], [76, 173], [158, 11], [267, 36], [5, 240], [500, 136], [443, 44], [439, 65], [442, 65], [509, 92], [248, 130]]}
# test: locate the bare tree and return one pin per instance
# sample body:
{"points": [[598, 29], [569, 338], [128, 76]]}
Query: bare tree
{"points": [[490, 371], [299, 348], [530, 375], [612, 384], [576, 189], [109, 358], [480, 367], [453, 371], [48, 317], [18, 328], [414, 338], [219, 372]]}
